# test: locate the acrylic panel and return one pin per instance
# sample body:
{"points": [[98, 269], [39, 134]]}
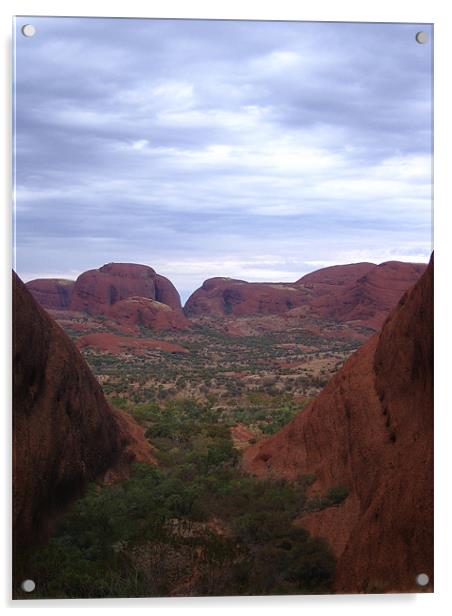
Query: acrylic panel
{"points": [[223, 312]]}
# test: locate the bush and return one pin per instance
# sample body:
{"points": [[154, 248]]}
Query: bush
{"points": [[337, 494], [94, 550], [144, 413], [120, 403]]}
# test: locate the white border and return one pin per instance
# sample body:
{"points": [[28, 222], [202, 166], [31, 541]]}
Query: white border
{"points": [[432, 11]]}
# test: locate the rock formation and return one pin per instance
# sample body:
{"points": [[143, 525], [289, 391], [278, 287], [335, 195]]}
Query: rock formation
{"points": [[65, 434], [335, 275], [369, 298], [359, 293], [51, 293], [95, 291], [371, 431], [149, 313], [226, 296]]}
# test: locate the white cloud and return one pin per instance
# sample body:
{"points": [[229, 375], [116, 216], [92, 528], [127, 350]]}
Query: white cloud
{"points": [[275, 62]]}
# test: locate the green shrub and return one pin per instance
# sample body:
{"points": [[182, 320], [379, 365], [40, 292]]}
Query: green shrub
{"points": [[144, 413], [337, 494], [198, 480]]}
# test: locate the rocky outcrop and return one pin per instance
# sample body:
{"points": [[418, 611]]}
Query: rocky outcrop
{"points": [[166, 292], [51, 293], [95, 291], [65, 434], [148, 313], [228, 297], [359, 293], [371, 431], [368, 300]]}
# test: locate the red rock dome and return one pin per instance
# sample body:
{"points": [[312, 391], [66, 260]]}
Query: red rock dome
{"points": [[370, 297], [95, 291], [226, 296]]}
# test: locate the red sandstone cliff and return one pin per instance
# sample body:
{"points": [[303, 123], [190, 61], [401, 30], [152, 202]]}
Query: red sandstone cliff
{"points": [[64, 432], [53, 293], [371, 430]]}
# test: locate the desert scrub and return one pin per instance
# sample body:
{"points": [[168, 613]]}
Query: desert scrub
{"points": [[196, 511]]}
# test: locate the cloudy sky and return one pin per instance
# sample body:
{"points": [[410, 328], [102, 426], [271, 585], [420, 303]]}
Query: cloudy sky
{"points": [[254, 150]]}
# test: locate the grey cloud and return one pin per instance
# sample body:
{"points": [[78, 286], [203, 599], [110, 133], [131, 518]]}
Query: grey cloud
{"points": [[145, 139]]}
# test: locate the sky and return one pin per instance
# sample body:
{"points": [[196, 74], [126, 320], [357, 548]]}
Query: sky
{"points": [[254, 150]]}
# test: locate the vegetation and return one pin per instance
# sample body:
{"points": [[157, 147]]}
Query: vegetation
{"points": [[194, 525], [295, 362]]}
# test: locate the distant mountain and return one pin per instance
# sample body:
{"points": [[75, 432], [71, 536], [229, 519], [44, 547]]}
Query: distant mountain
{"points": [[95, 291], [229, 297], [369, 434], [362, 293], [128, 293], [65, 434], [366, 300]]}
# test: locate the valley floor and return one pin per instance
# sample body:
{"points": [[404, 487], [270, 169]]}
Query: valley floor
{"points": [[197, 524], [194, 525]]}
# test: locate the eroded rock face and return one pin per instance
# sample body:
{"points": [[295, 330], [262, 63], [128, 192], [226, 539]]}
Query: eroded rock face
{"points": [[51, 293], [65, 434], [371, 430], [149, 313], [225, 296], [95, 291]]}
